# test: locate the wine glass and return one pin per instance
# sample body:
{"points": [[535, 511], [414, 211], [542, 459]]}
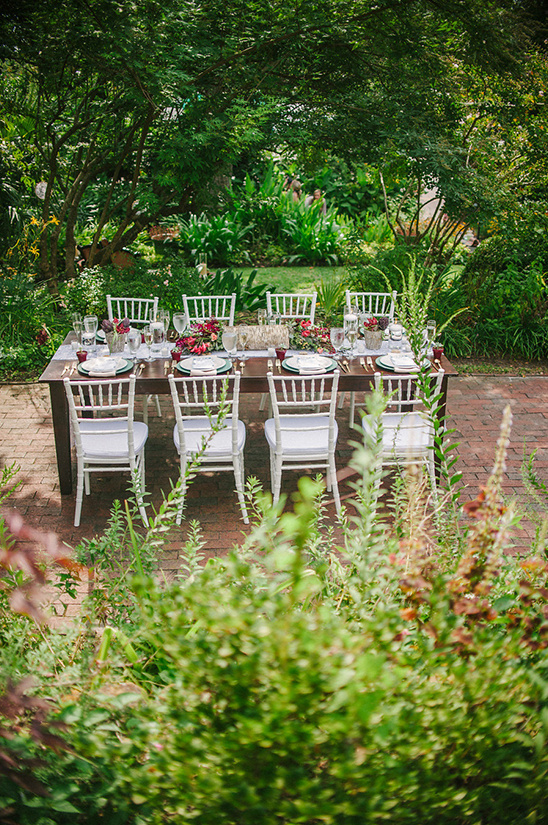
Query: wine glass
{"points": [[336, 337], [91, 322], [180, 322], [134, 342], [148, 335], [430, 333], [243, 342], [164, 316], [351, 322], [229, 339], [78, 327]]}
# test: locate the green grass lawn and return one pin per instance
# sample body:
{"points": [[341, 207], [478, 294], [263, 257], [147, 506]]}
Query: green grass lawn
{"points": [[295, 278]]}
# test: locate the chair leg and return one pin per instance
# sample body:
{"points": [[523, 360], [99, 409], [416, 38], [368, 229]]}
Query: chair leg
{"points": [[332, 475], [342, 396], [182, 493], [352, 407], [141, 487], [263, 400], [239, 476], [272, 471], [79, 495], [87, 484], [277, 479], [145, 407]]}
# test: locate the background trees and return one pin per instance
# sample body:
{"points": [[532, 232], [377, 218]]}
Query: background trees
{"points": [[147, 105]]}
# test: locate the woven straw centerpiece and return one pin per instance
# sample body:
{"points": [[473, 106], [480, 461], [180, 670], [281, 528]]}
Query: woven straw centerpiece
{"points": [[261, 337]]}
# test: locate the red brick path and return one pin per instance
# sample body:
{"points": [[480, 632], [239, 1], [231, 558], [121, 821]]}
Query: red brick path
{"points": [[475, 406]]}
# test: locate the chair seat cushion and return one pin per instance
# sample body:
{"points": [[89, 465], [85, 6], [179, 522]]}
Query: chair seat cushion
{"points": [[404, 434], [300, 434], [108, 438], [220, 444]]}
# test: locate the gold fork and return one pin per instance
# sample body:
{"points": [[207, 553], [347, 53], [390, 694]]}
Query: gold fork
{"points": [[362, 364], [278, 365], [270, 365], [370, 363]]}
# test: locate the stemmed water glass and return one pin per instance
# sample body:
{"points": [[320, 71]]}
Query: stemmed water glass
{"points": [[180, 322], [430, 333], [134, 342], [352, 331], [78, 327], [336, 337], [91, 322], [164, 316], [229, 339]]}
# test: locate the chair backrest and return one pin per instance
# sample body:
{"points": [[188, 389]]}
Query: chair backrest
{"points": [[378, 304], [301, 306], [402, 390], [109, 401], [198, 399], [313, 396], [138, 310], [202, 307]]}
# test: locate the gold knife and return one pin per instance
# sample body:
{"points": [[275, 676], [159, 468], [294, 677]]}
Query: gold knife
{"points": [[270, 365], [362, 364], [278, 365], [370, 363]]}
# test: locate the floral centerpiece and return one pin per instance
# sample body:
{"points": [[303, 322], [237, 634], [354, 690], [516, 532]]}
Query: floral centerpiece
{"points": [[203, 338], [304, 335], [115, 333], [373, 329]]}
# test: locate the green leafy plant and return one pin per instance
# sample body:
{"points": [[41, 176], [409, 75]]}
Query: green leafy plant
{"points": [[220, 237], [249, 295]]}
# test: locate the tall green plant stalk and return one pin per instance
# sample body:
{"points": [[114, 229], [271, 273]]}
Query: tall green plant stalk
{"points": [[412, 308]]}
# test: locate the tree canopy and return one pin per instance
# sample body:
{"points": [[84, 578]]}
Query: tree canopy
{"points": [[150, 102]]}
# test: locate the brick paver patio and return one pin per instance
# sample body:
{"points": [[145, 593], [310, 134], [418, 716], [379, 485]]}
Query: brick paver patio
{"points": [[475, 406]]}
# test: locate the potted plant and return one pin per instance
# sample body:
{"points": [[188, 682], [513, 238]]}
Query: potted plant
{"points": [[373, 331]]}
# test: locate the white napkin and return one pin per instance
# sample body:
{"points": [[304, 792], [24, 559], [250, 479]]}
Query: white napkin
{"points": [[204, 371], [310, 366], [203, 366], [103, 367], [403, 363]]}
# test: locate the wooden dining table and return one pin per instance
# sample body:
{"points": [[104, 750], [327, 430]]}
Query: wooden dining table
{"points": [[153, 380]]}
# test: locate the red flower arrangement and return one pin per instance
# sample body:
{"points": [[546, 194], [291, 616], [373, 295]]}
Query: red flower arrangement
{"points": [[375, 324], [115, 325], [303, 335], [203, 338]]}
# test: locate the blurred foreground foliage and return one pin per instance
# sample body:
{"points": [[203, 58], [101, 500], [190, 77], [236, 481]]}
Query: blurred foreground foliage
{"points": [[398, 675]]}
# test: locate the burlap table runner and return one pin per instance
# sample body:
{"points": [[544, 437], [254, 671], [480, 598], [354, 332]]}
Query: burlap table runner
{"points": [[261, 337]]}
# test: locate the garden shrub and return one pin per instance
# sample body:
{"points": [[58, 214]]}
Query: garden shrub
{"points": [[87, 292], [31, 326]]}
